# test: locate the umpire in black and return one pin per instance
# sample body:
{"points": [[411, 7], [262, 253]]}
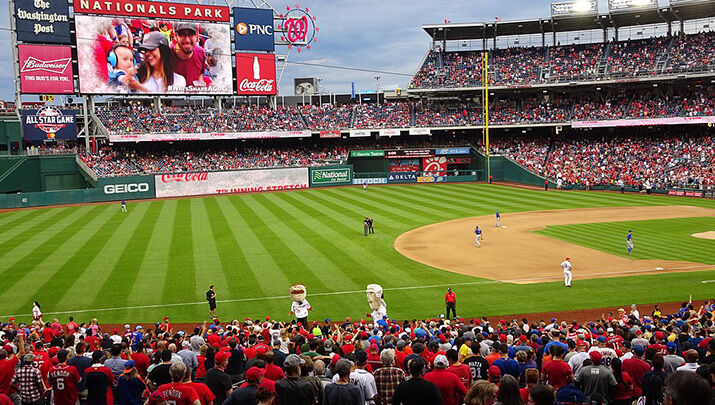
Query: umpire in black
{"points": [[211, 298]]}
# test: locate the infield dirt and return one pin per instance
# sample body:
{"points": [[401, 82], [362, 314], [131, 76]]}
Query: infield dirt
{"points": [[514, 253]]}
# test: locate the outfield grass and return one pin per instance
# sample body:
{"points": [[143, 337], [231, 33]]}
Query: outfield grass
{"points": [[159, 258]]}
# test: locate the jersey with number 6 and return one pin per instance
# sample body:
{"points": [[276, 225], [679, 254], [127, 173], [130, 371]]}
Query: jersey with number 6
{"points": [[64, 379]]}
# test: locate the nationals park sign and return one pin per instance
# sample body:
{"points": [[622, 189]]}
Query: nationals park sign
{"points": [[331, 176]]}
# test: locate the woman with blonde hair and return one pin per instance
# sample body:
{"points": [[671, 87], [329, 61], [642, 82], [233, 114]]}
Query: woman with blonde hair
{"points": [[482, 392]]}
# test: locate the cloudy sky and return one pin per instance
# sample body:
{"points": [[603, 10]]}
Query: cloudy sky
{"points": [[383, 35]]}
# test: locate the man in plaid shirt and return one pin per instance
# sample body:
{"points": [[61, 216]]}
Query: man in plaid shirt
{"points": [[388, 377], [28, 382]]}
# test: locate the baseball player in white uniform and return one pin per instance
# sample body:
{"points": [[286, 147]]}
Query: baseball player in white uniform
{"points": [[566, 265]]}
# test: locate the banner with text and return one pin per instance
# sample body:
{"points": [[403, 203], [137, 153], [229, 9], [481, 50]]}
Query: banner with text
{"points": [[206, 136], [153, 9], [389, 132], [185, 184], [452, 151], [254, 29], [333, 133], [45, 21], [359, 133], [643, 122], [256, 74], [420, 131], [331, 176], [367, 153], [48, 123], [46, 69], [118, 55]]}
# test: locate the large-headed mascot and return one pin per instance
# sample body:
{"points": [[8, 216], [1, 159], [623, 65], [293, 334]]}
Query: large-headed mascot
{"points": [[377, 304], [300, 306]]}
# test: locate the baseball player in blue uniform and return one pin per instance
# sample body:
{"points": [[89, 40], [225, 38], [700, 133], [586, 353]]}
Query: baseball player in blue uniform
{"points": [[629, 241], [498, 219], [124, 206], [478, 233]]}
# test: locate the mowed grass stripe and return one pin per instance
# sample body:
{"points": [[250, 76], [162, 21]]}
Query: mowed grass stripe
{"points": [[333, 229], [16, 240], [53, 240], [126, 270], [350, 272], [432, 201], [473, 204], [392, 216], [288, 262], [181, 269], [9, 221], [378, 200], [206, 258], [296, 243], [259, 262], [404, 200], [153, 270], [75, 265], [234, 266]]}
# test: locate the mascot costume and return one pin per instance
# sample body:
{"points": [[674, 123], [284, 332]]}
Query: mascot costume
{"points": [[300, 306], [376, 301]]}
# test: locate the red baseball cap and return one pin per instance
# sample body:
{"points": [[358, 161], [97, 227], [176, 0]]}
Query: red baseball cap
{"points": [[596, 356], [254, 374], [494, 371], [659, 335], [221, 356]]}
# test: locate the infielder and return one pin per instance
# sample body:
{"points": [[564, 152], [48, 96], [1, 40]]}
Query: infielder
{"points": [[124, 206], [629, 241], [566, 265], [364, 185], [478, 233], [498, 219]]}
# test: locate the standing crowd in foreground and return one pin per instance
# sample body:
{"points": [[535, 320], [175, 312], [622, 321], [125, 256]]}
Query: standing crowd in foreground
{"points": [[619, 359]]}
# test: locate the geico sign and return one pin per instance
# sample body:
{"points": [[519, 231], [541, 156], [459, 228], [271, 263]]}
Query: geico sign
{"points": [[126, 188]]}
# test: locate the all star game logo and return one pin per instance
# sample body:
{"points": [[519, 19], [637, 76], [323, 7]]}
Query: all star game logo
{"points": [[50, 120]]}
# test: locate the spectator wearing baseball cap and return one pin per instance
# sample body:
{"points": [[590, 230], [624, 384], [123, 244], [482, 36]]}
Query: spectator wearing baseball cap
{"points": [[636, 367], [595, 379], [449, 385], [292, 390], [672, 361], [247, 393], [130, 386], [187, 56], [342, 392], [216, 378]]}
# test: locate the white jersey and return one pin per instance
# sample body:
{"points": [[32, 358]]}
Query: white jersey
{"points": [[607, 353], [576, 361], [300, 309], [566, 265]]}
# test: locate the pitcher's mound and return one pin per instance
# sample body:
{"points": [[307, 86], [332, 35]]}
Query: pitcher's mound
{"points": [[704, 235], [518, 255]]}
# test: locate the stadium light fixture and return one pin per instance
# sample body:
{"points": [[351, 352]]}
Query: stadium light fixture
{"points": [[616, 5], [574, 8]]}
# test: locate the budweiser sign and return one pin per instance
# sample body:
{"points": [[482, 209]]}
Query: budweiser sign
{"points": [[261, 86], [256, 74], [33, 64], [46, 69], [184, 177]]}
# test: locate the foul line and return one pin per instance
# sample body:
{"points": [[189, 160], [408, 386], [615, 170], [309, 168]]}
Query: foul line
{"points": [[516, 280]]}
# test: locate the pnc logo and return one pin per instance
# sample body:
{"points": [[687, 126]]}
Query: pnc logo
{"points": [[254, 29], [126, 188]]}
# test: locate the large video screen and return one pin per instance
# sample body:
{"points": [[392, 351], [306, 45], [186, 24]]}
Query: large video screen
{"points": [[122, 55]]}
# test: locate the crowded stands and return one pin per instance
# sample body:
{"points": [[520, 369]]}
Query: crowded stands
{"points": [[632, 354], [533, 65]]}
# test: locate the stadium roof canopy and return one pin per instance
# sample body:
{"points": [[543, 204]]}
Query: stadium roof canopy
{"points": [[675, 12]]}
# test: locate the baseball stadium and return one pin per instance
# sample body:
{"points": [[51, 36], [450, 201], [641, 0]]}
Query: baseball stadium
{"points": [[543, 185]]}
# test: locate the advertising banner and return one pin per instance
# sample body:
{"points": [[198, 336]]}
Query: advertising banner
{"points": [[370, 180], [45, 21], [458, 160], [331, 176], [431, 179], [452, 151], [359, 133], [405, 165], [420, 131], [206, 136], [253, 29], [389, 132], [408, 153], [643, 122], [152, 9], [402, 177], [48, 123], [256, 74], [46, 69], [185, 184], [434, 166], [127, 187], [685, 193], [333, 133], [367, 153], [120, 55]]}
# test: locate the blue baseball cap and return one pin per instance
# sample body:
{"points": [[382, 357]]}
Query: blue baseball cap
{"points": [[638, 350], [601, 339], [671, 345]]}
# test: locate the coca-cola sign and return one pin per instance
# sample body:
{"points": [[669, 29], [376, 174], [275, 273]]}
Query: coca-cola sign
{"points": [[46, 69], [184, 177], [256, 74]]}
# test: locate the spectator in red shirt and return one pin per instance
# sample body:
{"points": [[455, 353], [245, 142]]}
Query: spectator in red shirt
{"points": [[449, 385], [557, 372], [176, 392], [623, 394], [8, 363], [99, 381], [636, 367], [63, 380], [141, 360], [460, 370], [273, 372]]}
